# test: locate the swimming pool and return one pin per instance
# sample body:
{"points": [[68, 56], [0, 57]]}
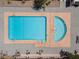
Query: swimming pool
{"points": [[27, 28], [60, 28]]}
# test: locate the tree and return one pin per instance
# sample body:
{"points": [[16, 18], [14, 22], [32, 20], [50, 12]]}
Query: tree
{"points": [[39, 4], [23, 1], [75, 52], [9, 1]]}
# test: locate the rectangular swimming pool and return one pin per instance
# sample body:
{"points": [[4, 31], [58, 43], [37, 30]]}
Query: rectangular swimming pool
{"points": [[27, 28]]}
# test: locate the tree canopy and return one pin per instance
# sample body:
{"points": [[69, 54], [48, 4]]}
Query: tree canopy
{"points": [[39, 4]]}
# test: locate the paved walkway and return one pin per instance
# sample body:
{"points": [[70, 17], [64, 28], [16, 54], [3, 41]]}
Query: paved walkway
{"points": [[54, 3]]}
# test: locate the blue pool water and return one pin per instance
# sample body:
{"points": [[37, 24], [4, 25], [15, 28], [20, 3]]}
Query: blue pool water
{"points": [[60, 29], [27, 28]]}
